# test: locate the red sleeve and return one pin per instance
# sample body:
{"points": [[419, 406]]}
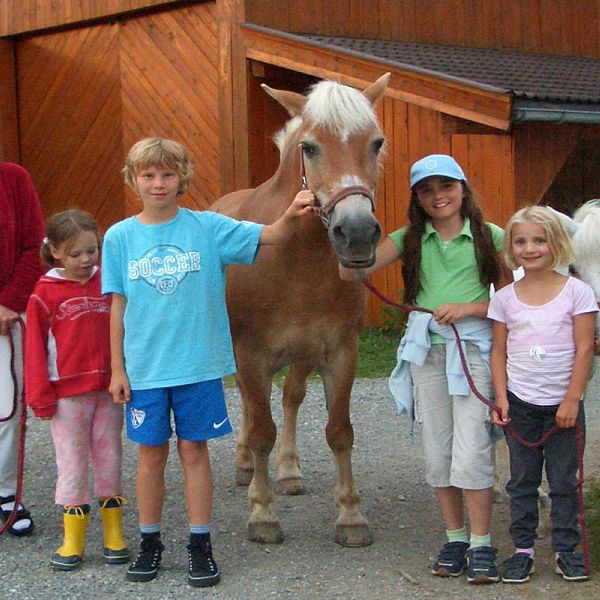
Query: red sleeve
{"points": [[39, 393], [29, 223]]}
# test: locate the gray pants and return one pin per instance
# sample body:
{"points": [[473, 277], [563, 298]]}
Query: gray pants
{"points": [[9, 430], [559, 454]]}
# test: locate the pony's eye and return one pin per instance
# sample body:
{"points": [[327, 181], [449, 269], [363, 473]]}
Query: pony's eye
{"points": [[378, 145], [310, 150]]}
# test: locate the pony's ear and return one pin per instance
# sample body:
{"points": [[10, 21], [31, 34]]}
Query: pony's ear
{"points": [[374, 91], [291, 101], [566, 221]]}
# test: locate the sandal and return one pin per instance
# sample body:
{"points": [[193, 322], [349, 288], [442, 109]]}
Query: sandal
{"points": [[23, 523]]}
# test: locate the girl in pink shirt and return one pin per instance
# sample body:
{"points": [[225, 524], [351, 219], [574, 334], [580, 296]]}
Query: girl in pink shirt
{"points": [[542, 350]]}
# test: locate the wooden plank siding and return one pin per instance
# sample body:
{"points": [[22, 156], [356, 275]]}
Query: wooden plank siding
{"points": [[70, 119], [9, 127], [23, 16], [569, 27], [87, 94]]}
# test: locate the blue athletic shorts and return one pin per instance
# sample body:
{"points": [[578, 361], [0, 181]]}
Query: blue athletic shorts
{"points": [[199, 413]]}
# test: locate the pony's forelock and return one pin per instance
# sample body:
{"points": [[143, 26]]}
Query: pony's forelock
{"points": [[342, 109]]}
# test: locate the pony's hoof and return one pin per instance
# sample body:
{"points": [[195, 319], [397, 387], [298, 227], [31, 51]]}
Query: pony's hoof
{"points": [[291, 486], [243, 476], [353, 536], [265, 533]]}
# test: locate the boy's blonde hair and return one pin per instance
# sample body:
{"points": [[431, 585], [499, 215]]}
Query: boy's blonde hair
{"points": [[556, 235], [158, 152]]}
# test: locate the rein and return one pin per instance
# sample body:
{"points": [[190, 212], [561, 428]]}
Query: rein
{"points": [[22, 428], [324, 212], [509, 430]]}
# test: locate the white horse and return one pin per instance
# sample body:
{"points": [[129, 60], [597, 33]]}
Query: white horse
{"points": [[584, 231]]}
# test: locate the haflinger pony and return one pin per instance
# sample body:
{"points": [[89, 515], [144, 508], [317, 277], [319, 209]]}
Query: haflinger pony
{"points": [[291, 307]]}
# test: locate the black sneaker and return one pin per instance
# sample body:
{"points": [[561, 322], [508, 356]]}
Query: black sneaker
{"points": [[202, 568], [482, 567], [452, 560], [145, 566], [571, 566], [517, 568]]}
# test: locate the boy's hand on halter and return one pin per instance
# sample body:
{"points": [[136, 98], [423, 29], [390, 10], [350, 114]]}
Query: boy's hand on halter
{"points": [[566, 415], [302, 204], [119, 387]]}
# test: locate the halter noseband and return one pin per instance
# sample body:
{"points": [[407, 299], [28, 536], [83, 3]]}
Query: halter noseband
{"points": [[324, 212]]}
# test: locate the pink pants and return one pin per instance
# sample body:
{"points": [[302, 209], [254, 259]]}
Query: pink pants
{"points": [[83, 428]]}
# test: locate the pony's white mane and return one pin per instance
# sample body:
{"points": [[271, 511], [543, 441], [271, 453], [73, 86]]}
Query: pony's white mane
{"points": [[340, 108]]}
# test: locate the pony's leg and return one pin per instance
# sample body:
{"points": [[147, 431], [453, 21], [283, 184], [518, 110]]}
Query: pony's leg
{"points": [[263, 525], [351, 528], [289, 476], [244, 463]]}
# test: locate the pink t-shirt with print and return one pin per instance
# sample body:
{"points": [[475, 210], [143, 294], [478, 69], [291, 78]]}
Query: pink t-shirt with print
{"points": [[540, 345]]}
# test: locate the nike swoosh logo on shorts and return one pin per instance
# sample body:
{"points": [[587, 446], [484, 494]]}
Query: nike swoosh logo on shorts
{"points": [[218, 425]]}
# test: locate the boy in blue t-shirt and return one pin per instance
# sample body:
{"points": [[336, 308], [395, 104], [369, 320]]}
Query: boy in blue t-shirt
{"points": [[170, 337]]}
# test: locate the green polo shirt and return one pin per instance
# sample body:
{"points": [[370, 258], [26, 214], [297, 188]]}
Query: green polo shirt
{"points": [[449, 271]]}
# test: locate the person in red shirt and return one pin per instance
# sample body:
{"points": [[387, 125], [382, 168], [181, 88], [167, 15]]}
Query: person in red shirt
{"points": [[21, 232], [67, 374]]}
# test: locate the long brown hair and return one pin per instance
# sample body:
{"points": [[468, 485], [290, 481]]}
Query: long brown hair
{"points": [[485, 253]]}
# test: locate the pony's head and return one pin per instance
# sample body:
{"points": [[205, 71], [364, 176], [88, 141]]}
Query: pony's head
{"points": [[334, 143]]}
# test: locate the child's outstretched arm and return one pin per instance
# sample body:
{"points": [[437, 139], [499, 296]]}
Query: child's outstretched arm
{"points": [[385, 254], [498, 369], [119, 382], [278, 232], [583, 333]]}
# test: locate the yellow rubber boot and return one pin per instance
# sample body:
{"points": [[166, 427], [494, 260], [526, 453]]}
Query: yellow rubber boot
{"points": [[115, 548], [70, 554]]}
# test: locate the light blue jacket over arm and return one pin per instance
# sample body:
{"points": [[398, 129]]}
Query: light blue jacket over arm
{"points": [[415, 346]]}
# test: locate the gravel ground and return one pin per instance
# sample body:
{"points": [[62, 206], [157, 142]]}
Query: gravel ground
{"points": [[308, 564]]}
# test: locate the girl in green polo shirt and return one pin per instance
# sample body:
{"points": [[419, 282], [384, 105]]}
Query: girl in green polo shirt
{"points": [[450, 257]]}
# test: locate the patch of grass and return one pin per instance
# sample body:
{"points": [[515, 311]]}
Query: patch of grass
{"points": [[377, 352], [592, 515]]}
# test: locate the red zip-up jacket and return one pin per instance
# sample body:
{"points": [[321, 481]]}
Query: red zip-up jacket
{"points": [[67, 341], [21, 233]]}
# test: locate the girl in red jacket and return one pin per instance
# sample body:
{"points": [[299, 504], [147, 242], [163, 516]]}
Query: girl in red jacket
{"points": [[67, 374]]}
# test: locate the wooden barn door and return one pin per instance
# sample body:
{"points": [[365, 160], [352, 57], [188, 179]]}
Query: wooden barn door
{"points": [[86, 95], [69, 108]]}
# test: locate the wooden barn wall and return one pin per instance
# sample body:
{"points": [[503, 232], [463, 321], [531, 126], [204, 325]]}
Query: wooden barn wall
{"points": [[19, 16], [85, 95], [9, 129], [564, 177], [549, 26]]}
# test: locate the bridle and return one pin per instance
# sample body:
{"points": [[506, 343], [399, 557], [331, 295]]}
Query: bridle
{"points": [[324, 212]]}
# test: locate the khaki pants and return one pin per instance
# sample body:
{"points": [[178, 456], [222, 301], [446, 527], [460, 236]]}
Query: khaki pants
{"points": [[456, 430]]}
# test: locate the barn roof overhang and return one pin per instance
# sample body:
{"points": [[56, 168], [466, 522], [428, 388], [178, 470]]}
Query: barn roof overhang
{"points": [[480, 103], [490, 87]]}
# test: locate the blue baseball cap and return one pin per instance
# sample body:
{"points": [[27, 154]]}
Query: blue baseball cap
{"points": [[441, 165]]}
